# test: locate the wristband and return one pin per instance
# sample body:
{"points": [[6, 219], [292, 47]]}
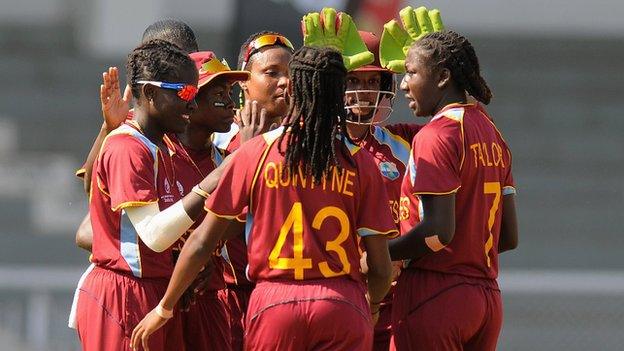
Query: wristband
{"points": [[199, 191], [163, 312]]}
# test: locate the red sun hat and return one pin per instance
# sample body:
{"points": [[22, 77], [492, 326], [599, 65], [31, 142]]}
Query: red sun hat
{"points": [[372, 44], [210, 67]]}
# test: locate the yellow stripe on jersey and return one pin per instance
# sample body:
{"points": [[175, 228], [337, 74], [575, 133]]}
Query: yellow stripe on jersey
{"points": [[442, 193], [363, 231], [222, 215]]}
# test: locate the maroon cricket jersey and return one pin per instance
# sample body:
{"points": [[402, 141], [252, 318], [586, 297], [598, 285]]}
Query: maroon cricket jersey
{"points": [[296, 229], [234, 251], [129, 171], [390, 147], [460, 151], [192, 166]]}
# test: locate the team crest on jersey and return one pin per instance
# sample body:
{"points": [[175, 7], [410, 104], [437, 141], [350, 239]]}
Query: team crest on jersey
{"points": [[167, 186], [389, 170]]}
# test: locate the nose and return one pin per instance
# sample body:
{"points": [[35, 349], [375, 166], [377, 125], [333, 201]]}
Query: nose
{"points": [[283, 81], [403, 85], [191, 105]]}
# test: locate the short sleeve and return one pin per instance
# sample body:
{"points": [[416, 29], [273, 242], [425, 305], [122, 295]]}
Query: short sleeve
{"points": [[127, 168], [437, 152], [231, 197], [407, 131], [374, 216], [81, 172]]}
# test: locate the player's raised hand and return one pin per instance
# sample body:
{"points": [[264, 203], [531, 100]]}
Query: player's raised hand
{"points": [[115, 107], [253, 121], [337, 30], [396, 40], [146, 327]]}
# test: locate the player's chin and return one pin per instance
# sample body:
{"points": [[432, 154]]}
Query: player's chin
{"points": [[179, 125], [280, 106]]}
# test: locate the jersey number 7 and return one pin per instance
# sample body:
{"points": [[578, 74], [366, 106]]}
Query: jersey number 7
{"points": [[491, 188]]}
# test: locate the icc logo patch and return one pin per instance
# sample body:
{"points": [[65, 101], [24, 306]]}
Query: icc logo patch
{"points": [[389, 170]]}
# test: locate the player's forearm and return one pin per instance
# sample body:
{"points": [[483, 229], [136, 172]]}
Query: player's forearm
{"points": [[193, 203], [159, 229], [93, 153], [379, 275], [508, 239], [419, 241], [194, 255], [379, 280], [432, 234], [84, 234]]}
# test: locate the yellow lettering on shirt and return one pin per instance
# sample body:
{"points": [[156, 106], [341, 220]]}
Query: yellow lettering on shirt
{"points": [[270, 175], [277, 175], [404, 211], [487, 156], [395, 210]]}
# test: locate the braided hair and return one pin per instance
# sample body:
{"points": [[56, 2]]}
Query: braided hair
{"points": [[155, 60], [173, 31], [453, 51], [316, 114]]}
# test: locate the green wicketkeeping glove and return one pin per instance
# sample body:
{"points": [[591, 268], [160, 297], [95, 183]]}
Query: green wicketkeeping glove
{"points": [[322, 29], [396, 41]]}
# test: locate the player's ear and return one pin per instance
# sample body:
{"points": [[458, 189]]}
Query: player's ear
{"points": [[289, 88], [149, 91], [243, 85], [444, 77]]}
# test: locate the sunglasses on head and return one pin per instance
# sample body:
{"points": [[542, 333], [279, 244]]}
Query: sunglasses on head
{"points": [[186, 92], [266, 40]]}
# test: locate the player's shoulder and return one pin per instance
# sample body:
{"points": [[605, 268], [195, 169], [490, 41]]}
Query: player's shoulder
{"points": [[255, 146], [127, 140], [223, 140], [452, 114]]}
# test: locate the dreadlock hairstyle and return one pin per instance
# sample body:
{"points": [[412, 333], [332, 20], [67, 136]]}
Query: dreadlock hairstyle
{"points": [[451, 50], [316, 114], [173, 31], [155, 60]]}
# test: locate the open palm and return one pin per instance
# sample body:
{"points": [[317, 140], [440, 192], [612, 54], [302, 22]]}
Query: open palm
{"points": [[115, 107]]}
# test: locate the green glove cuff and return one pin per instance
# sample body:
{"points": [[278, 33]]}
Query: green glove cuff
{"points": [[358, 60]]}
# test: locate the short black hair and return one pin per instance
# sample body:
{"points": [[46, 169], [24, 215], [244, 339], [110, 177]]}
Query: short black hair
{"points": [[173, 31], [157, 60]]}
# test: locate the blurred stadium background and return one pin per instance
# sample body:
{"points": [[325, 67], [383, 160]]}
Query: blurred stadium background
{"points": [[556, 71]]}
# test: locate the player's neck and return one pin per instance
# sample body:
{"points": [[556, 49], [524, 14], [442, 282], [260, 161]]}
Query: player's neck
{"points": [[357, 132], [451, 96], [196, 137], [149, 127]]}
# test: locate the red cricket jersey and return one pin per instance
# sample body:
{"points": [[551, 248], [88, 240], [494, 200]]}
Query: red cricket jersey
{"points": [[191, 167], [460, 151], [298, 230], [129, 171], [234, 251], [390, 147]]}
